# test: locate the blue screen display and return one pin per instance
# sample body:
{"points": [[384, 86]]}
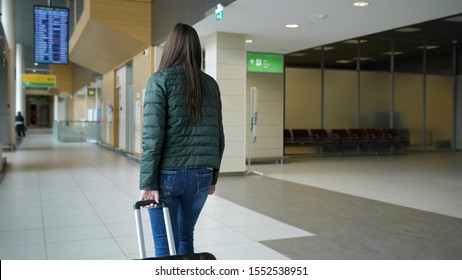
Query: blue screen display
{"points": [[51, 35]]}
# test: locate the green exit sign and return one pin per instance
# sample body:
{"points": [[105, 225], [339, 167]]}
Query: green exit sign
{"points": [[265, 63], [219, 16], [219, 12]]}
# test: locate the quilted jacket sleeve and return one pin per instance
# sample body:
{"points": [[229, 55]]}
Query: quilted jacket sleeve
{"points": [[221, 140], [153, 131]]}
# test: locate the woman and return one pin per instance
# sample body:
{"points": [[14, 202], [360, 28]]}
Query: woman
{"points": [[183, 139]]}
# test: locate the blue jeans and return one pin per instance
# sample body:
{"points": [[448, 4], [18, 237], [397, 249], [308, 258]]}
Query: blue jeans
{"points": [[186, 191]]}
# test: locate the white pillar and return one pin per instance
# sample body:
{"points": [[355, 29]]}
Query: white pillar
{"points": [[459, 113], [7, 19], [97, 103], [56, 107], [85, 105], [20, 98], [225, 59]]}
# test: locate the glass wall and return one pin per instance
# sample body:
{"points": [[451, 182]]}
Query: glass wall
{"points": [[303, 102], [375, 54], [375, 100], [340, 85], [340, 99], [408, 114], [375, 83], [439, 111], [438, 95]]}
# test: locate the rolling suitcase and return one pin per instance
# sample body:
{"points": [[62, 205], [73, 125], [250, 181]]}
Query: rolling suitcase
{"points": [[168, 226]]}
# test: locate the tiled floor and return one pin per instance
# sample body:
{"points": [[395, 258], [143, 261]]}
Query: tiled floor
{"points": [[74, 201], [426, 181]]}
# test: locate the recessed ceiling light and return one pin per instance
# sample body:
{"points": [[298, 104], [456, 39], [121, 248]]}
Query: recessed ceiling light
{"points": [[454, 19], [394, 53], [297, 54], [343, 61], [362, 58], [361, 4], [326, 48], [248, 41], [292, 25], [428, 47], [355, 41], [408, 29]]}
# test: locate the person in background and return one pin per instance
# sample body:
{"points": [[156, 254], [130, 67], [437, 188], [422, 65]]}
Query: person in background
{"points": [[183, 139], [19, 124]]}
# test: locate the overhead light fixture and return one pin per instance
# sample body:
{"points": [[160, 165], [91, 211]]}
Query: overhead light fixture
{"points": [[362, 58], [292, 25], [326, 48], [408, 29], [343, 61], [297, 54], [361, 4], [355, 41], [428, 47], [248, 41], [454, 19], [394, 53]]}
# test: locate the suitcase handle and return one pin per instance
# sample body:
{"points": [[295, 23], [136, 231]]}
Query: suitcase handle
{"points": [[141, 203], [139, 225]]}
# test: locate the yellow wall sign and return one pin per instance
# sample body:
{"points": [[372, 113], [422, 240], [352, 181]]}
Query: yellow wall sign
{"points": [[30, 80]]}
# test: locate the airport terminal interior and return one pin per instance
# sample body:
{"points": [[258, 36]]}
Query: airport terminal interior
{"points": [[343, 139], [74, 201]]}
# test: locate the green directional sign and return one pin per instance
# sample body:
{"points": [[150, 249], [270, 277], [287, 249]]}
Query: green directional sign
{"points": [[219, 15], [265, 63], [219, 12], [32, 80]]}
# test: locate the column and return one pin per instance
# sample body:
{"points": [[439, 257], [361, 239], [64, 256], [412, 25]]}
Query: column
{"points": [[225, 60], [55, 107], [20, 99], [458, 119]]}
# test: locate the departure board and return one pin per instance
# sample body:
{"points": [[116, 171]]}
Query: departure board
{"points": [[51, 34]]}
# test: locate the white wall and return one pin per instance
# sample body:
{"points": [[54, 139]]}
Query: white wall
{"points": [[270, 120], [61, 114], [226, 62], [79, 107]]}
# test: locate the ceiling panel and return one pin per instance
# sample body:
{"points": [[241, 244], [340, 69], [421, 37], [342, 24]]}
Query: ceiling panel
{"points": [[321, 22]]}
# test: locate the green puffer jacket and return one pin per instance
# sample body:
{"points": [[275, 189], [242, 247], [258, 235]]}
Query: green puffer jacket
{"points": [[170, 139]]}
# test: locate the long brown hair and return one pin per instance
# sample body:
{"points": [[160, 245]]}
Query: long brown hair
{"points": [[184, 48]]}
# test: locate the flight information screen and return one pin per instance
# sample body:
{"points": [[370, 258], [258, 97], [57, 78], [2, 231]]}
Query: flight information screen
{"points": [[51, 35]]}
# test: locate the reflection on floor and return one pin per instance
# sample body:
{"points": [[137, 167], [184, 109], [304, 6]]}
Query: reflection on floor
{"points": [[74, 201]]}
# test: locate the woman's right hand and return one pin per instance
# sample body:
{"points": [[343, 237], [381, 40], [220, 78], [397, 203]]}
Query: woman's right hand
{"points": [[150, 195], [212, 189]]}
